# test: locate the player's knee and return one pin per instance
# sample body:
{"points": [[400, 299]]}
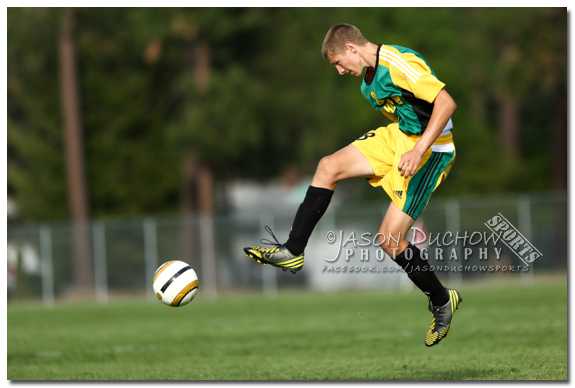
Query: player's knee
{"points": [[392, 243], [328, 169], [391, 249], [381, 240]]}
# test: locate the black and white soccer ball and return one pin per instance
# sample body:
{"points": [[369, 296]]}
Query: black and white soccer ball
{"points": [[175, 283]]}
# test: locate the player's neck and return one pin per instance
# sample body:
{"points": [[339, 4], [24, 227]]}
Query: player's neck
{"points": [[368, 54]]}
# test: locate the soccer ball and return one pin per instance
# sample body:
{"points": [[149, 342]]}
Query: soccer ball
{"points": [[175, 283]]}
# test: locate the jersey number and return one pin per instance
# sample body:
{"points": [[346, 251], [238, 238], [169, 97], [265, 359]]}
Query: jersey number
{"points": [[369, 134]]}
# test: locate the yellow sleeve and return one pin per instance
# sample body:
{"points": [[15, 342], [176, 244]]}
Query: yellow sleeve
{"points": [[412, 74]]}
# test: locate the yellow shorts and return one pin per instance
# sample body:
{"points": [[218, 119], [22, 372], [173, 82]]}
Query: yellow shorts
{"points": [[383, 149]]}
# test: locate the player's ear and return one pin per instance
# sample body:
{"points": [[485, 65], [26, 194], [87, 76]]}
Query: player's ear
{"points": [[349, 46]]}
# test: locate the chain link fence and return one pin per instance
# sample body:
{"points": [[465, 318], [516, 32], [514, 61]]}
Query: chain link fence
{"points": [[342, 254]]}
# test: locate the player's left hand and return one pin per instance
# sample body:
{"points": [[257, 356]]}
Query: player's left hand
{"points": [[409, 163]]}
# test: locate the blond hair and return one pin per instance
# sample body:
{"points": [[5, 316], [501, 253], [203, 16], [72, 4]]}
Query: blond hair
{"points": [[338, 36]]}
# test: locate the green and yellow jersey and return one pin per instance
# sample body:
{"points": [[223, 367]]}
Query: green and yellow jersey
{"points": [[403, 87]]}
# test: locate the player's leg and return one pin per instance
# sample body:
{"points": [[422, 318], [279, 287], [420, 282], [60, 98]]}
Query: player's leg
{"points": [[410, 196], [346, 163], [442, 301], [392, 238]]}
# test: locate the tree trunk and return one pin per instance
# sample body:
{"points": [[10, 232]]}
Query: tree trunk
{"points": [[77, 192], [189, 210], [197, 200], [509, 117], [559, 126], [198, 179], [509, 122]]}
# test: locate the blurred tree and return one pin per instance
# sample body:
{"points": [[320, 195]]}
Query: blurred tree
{"points": [[128, 61], [217, 121], [517, 79], [270, 100], [34, 139]]}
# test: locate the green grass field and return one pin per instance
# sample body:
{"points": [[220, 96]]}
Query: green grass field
{"points": [[500, 332]]}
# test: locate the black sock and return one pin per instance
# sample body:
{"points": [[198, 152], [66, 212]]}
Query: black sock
{"points": [[308, 215], [421, 275]]}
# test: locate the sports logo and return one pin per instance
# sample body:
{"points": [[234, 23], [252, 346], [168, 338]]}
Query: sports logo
{"points": [[513, 239]]}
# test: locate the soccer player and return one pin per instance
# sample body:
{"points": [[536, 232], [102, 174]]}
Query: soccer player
{"points": [[408, 159]]}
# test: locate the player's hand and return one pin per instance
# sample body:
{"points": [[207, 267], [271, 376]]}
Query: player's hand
{"points": [[409, 162]]}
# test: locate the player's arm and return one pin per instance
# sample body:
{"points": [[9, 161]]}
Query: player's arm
{"points": [[443, 108]]}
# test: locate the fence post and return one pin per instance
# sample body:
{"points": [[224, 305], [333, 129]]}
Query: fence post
{"points": [[100, 269], [150, 253], [46, 266], [269, 277], [524, 221], [453, 224], [208, 252]]}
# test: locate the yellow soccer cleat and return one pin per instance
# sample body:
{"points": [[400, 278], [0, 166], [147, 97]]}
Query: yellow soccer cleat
{"points": [[278, 255], [442, 316]]}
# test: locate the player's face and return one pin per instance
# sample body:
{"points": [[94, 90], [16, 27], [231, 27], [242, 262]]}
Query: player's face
{"points": [[347, 63]]}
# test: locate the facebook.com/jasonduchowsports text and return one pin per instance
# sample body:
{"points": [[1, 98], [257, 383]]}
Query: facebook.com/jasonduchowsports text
{"points": [[440, 268]]}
